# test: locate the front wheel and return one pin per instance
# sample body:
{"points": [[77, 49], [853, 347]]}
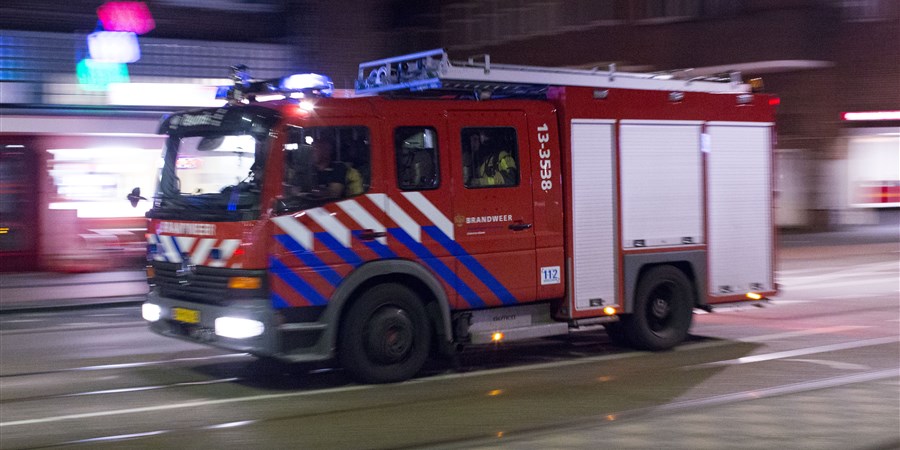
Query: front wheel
{"points": [[385, 336], [663, 308]]}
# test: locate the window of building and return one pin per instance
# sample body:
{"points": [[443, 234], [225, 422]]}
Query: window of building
{"points": [[417, 158], [867, 10], [490, 157]]}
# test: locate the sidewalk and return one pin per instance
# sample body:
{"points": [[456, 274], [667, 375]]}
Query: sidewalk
{"points": [[41, 290]]}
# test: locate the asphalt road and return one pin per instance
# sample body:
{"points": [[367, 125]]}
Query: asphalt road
{"points": [[818, 368]]}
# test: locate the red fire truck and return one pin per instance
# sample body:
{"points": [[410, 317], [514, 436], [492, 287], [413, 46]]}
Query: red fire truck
{"points": [[446, 204]]}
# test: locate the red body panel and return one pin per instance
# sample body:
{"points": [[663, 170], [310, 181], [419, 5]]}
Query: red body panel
{"points": [[464, 236]]}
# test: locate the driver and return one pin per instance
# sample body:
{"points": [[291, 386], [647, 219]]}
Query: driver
{"points": [[330, 175]]}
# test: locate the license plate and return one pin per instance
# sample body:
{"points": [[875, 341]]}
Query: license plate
{"points": [[186, 315]]}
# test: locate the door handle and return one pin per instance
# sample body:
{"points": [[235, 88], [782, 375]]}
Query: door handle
{"points": [[368, 235], [519, 226]]}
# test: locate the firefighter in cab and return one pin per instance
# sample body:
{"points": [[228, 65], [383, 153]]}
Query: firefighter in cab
{"points": [[492, 162]]}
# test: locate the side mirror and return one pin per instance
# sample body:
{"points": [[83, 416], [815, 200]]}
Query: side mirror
{"points": [[135, 196]]}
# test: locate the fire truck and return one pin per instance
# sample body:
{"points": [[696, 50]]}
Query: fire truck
{"points": [[445, 204]]}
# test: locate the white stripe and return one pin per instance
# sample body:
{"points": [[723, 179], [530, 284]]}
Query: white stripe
{"points": [[226, 249], [801, 352], [202, 252], [295, 230], [407, 223], [170, 253], [174, 406], [800, 333], [362, 217], [185, 243], [431, 212], [399, 216], [331, 225], [154, 240]]}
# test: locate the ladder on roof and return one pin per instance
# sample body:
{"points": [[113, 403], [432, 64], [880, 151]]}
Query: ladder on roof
{"points": [[433, 70]]}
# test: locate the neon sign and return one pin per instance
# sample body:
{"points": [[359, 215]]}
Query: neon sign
{"points": [[114, 46], [97, 75], [126, 16]]}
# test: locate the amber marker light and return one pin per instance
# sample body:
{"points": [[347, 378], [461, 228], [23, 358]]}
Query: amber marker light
{"points": [[754, 296], [244, 283], [497, 336], [609, 310]]}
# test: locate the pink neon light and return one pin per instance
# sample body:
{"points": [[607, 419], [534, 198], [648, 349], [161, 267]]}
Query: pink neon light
{"points": [[126, 16], [871, 115]]}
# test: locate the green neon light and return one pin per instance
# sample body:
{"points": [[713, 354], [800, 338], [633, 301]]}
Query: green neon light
{"points": [[97, 76]]}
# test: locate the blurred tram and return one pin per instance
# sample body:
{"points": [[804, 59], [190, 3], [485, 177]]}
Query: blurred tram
{"points": [[64, 176]]}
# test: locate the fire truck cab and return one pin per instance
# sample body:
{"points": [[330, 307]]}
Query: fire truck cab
{"points": [[446, 204]]}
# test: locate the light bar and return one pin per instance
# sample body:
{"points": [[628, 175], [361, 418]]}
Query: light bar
{"points": [[306, 81], [871, 115]]}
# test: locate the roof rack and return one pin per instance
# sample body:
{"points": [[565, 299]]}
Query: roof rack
{"points": [[433, 71]]}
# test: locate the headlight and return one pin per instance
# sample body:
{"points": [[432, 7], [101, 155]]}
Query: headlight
{"points": [[150, 312], [237, 328]]}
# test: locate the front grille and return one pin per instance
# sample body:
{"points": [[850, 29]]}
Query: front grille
{"points": [[203, 285]]}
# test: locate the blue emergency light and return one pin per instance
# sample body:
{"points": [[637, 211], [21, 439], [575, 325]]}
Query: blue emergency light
{"points": [[308, 81], [295, 86]]}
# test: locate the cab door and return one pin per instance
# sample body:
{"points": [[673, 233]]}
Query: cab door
{"points": [[492, 209]]}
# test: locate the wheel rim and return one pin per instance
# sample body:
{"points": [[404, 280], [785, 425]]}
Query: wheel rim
{"points": [[659, 311], [389, 335]]}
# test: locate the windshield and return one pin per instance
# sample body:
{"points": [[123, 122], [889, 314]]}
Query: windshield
{"points": [[210, 177], [211, 164]]}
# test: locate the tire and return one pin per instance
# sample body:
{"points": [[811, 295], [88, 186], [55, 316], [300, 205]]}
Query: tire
{"points": [[385, 336], [663, 309]]}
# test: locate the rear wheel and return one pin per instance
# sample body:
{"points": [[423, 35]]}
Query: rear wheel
{"points": [[385, 336], [663, 308]]}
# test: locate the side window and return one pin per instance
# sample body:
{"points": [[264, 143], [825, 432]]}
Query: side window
{"points": [[326, 163], [490, 157], [417, 158]]}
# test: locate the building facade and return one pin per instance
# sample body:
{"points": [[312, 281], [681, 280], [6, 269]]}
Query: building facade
{"points": [[835, 64]]}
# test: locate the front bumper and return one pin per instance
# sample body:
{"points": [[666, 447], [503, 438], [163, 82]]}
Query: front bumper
{"points": [[203, 331], [288, 342]]}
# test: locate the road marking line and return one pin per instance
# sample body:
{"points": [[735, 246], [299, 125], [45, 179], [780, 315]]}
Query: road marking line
{"points": [[833, 364], [153, 388], [120, 437], [800, 352], [156, 363], [854, 282], [195, 404], [795, 388], [799, 333], [80, 326], [776, 302]]}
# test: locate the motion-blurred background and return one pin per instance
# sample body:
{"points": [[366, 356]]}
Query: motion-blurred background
{"points": [[83, 84]]}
